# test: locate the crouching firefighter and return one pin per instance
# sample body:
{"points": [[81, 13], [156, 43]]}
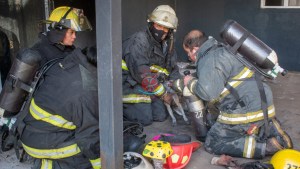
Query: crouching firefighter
{"points": [[246, 126]]}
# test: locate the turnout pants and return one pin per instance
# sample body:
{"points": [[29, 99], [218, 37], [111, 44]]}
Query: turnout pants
{"points": [[145, 113]]}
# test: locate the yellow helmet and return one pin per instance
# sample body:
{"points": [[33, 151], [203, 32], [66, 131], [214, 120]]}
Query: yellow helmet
{"points": [[286, 158], [68, 17], [165, 16], [158, 150]]}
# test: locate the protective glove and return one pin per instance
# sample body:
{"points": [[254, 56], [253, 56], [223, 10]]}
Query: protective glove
{"points": [[150, 82]]}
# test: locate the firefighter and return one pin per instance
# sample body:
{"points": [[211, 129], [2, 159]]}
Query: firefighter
{"points": [[58, 41], [148, 59], [61, 127], [240, 129]]}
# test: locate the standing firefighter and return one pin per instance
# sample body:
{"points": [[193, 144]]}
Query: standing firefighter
{"points": [[221, 77], [148, 60]]}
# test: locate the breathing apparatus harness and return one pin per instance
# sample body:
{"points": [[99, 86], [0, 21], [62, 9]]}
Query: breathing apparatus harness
{"points": [[19, 125], [258, 80]]}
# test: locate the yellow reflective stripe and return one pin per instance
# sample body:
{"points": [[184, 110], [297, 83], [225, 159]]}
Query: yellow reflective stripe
{"points": [[56, 120], [246, 117], [285, 137], [136, 98], [245, 73], [58, 153], [249, 147], [160, 90], [96, 163], [46, 164], [153, 68], [156, 68], [124, 65]]}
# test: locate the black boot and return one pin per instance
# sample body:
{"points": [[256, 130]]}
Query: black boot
{"points": [[273, 146]]}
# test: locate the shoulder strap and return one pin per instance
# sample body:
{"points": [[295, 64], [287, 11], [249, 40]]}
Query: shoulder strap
{"points": [[19, 125], [264, 105], [235, 94]]}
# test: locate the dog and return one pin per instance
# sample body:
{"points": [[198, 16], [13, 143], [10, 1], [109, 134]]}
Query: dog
{"points": [[175, 100]]}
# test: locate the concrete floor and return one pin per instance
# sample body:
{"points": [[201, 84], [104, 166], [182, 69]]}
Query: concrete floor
{"points": [[286, 91]]}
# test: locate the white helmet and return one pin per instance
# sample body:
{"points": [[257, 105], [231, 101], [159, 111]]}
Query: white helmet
{"points": [[132, 157], [165, 16]]}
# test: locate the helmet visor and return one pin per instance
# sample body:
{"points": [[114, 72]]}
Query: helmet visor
{"points": [[82, 24]]}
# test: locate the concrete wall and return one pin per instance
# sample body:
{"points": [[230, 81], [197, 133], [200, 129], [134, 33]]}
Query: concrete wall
{"points": [[278, 28]]}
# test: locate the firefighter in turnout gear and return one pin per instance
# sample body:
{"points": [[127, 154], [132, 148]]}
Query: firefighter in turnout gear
{"points": [[148, 59], [56, 43], [240, 96], [61, 128]]}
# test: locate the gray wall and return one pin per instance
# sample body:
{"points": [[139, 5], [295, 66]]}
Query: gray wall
{"points": [[278, 28]]}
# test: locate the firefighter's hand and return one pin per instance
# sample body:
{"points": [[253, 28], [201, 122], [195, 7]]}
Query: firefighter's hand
{"points": [[167, 98], [187, 79]]}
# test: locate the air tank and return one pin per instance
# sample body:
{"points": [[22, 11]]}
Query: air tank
{"points": [[250, 46], [18, 82]]}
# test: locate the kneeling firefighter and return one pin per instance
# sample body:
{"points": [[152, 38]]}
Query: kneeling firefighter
{"points": [[149, 58], [246, 126]]}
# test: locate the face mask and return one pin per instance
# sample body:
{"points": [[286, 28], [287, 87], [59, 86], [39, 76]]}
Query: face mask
{"points": [[157, 34]]}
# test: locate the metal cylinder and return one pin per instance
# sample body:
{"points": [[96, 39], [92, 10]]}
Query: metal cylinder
{"points": [[196, 107], [252, 48], [21, 73]]}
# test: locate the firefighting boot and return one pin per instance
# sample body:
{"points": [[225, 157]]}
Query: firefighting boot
{"points": [[277, 132], [272, 146]]}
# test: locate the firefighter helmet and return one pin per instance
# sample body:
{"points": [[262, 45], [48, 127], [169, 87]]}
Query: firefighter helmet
{"points": [[286, 158], [165, 16], [181, 155], [68, 17], [136, 161]]}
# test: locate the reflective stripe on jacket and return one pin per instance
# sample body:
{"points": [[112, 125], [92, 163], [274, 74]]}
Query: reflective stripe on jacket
{"points": [[56, 120], [245, 118], [140, 98], [57, 153]]}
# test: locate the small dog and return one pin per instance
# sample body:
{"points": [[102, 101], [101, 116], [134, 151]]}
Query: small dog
{"points": [[178, 109]]}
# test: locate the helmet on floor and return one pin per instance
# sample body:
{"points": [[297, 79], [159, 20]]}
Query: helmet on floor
{"points": [[134, 160], [287, 158], [181, 156]]}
